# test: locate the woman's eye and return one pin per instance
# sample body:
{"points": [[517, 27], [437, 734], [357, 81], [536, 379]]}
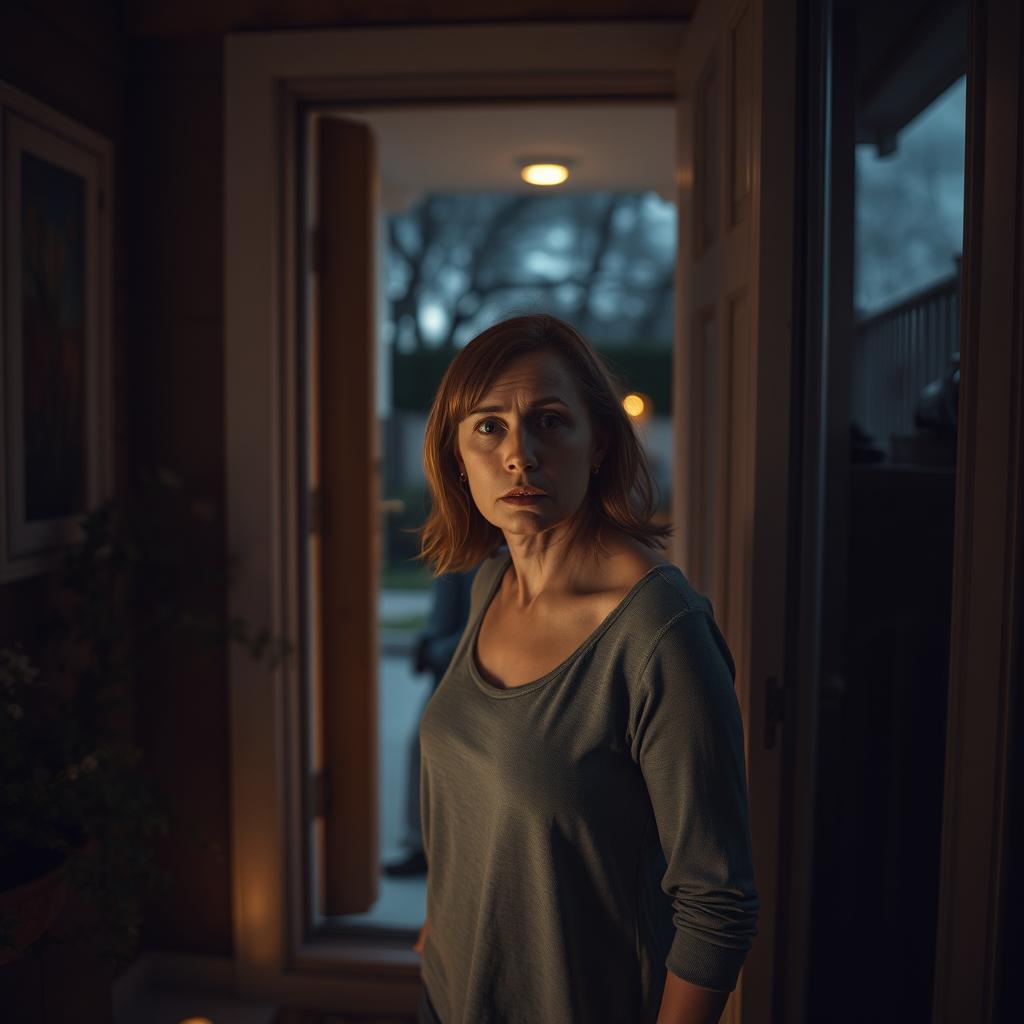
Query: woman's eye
{"points": [[546, 421]]}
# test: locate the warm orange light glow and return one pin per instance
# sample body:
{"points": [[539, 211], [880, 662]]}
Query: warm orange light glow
{"points": [[634, 405], [196, 1020], [545, 174]]}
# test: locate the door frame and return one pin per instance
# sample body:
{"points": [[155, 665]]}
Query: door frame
{"points": [[983, 737], [734, 272], [973, 973], [270, 80]]}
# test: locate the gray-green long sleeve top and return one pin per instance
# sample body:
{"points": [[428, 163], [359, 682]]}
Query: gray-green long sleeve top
{"points": [[589, 829]]}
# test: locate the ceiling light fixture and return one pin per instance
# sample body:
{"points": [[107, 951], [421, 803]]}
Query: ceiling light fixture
{"points": [[544, 172]]}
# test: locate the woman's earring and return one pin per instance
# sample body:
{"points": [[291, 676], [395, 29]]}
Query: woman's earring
{"points": [[594, 469]]}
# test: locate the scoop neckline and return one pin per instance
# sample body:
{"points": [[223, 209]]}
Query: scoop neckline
{"points": [[501, 693]]}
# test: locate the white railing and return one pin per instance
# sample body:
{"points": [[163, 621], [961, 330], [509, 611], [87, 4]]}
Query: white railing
{"points": [[900, 350]]}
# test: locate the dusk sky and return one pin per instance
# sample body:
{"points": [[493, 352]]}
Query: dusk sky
{"points": [[910, 206]]}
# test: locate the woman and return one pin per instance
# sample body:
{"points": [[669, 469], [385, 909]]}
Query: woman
{"points": [[449, 609], [583, 793]]}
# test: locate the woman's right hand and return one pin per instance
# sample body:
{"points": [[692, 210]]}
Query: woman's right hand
{"points": [[418, 947]]}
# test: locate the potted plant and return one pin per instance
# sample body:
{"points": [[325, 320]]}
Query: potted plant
{"points": [[79, 811], [76, 810]]}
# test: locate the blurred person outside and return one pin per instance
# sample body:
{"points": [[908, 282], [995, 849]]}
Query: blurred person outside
{"points": [[449, 610]]}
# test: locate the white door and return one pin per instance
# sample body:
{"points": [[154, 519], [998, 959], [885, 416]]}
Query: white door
{"points": [[734, 175]]}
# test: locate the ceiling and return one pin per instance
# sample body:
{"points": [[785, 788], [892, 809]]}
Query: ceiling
{"points": [[907, 54], [200, 17], [619, 146]]}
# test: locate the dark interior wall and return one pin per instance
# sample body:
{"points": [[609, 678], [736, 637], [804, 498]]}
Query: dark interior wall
{"points": [[69, 56], [159, 101], [174, 302]]}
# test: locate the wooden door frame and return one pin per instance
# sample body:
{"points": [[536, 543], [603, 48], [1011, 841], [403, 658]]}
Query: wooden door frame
{"points": [[988, 563], [745, 266], [270, 79], [819, 485]]}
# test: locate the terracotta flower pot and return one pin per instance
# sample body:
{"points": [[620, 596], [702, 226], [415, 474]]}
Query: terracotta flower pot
{"points": [[35, 904]]}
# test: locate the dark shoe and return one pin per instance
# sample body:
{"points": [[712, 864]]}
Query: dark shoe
{"points": [[414, 864]]}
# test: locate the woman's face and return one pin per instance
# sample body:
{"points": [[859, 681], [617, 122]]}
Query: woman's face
{"points": [[532, 429]]}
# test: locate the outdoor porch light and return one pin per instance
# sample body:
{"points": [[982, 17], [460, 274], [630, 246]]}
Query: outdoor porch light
{"points": [[540, 173], [634, 405]]}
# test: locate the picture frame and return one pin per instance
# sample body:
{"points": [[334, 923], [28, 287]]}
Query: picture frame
{"points": [[56, 427]]}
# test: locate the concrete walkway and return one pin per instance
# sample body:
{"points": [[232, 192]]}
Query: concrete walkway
{"points": [[402, 696]]}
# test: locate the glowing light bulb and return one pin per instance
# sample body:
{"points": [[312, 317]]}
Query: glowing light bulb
{"points": [[545, 174], [634, 405]]}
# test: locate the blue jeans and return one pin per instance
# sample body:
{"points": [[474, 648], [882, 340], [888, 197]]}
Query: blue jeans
{"points": [[426, 1014]]}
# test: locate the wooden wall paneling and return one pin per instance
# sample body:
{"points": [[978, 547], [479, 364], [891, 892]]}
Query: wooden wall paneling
{"points": [[739, 156]]}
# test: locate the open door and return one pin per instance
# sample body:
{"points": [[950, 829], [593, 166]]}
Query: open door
{"points": [[344, 535], [736, 109]]}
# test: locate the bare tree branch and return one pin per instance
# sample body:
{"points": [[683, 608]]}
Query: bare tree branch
{"points": [[407, 305], [503, 218], [492, 265], [660, 293], [605, 230]]}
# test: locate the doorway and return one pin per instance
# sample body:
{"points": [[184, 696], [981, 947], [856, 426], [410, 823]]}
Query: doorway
{"points": [[461, 242], [729, 76]]}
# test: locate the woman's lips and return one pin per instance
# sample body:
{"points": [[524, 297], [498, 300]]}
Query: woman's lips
{"points": [[524, 499]]}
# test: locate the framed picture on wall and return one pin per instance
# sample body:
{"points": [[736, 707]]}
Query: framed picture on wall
{"points": [[56, 432]]}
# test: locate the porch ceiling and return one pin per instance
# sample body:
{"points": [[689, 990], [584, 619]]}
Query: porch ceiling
{"points": [[620, 146]]}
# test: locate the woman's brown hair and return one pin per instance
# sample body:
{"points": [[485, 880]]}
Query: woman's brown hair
{"points": [[455, 536]]}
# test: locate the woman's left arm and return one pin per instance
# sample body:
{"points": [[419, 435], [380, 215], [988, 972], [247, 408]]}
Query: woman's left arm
{"points": [[685, 1003], [687, 737]]}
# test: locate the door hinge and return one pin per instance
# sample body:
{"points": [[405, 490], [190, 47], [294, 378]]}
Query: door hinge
{"points": [[774, 710]]}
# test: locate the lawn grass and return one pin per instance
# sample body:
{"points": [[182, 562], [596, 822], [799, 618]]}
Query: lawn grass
{"points": [[415, 623], [405, 576]]}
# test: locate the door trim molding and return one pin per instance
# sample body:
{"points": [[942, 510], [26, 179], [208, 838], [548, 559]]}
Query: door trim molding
{"points": [[985, 647], [269, 79]]}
